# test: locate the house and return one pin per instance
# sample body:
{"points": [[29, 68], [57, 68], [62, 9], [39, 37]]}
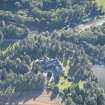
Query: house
{"points": [[52, 65]]}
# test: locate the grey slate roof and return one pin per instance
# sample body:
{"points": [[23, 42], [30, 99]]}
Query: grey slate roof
{"points": [[53, 65]]}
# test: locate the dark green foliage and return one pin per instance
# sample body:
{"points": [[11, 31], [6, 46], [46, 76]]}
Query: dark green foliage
{"points": [[49, 14], [1, 36], [29, 30]]}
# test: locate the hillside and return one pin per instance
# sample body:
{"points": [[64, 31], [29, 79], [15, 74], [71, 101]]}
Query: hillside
{"points": [[49, 45]]}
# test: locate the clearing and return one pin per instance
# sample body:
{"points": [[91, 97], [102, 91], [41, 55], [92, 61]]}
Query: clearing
{"points": [[99, 72], [34, 98], [101, 3], [63, 84]]}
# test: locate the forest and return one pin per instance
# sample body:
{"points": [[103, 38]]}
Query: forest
{"points": [[43, 30]]}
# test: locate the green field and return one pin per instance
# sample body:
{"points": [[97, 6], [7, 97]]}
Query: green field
{"points": [[101, 2], [63, 84]]}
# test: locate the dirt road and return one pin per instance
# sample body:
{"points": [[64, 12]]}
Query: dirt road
{"points": [[90, 24]]}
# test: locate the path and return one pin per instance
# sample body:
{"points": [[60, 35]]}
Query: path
{"points": [[90, 24]]}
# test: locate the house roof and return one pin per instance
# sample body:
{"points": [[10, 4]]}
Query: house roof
{"points": [[52, 64]]}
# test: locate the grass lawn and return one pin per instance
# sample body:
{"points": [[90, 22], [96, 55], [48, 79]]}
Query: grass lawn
{"points": [[66, 65], [101, 2], [81, 84], [63, 84]]}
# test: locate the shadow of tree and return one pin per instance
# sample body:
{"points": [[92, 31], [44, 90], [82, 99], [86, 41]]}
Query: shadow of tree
{"points": [[48, 90], [54, 93]]}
